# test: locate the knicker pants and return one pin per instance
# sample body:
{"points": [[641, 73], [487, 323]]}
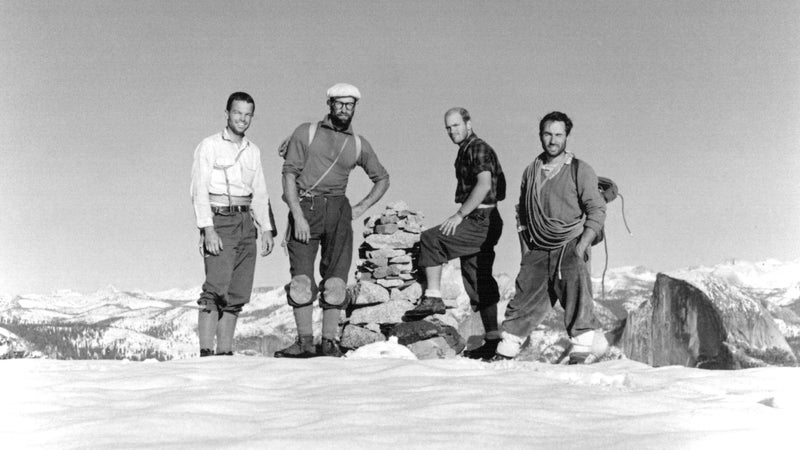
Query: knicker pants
{"points": [[539, 286], [229, 275], [473, 242], [329, 219]]}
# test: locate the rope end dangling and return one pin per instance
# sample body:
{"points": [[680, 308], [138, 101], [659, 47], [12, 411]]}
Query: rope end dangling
{"points": [[624, 220]]}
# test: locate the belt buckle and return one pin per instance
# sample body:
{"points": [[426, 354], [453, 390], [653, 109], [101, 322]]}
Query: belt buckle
{"points": [[223, 211]]}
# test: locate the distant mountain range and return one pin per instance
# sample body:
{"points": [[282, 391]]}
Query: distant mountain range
{"points": [[116, 324]]}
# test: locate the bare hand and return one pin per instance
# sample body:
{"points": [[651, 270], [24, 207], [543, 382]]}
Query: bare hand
{"points": [[357, 211], [267, 243], [448, 227], [212, 241], [302, 232], [580, 250]]}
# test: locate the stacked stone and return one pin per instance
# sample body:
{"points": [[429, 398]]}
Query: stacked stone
{"points": [[386, 274], [391, 247], [389, 285]]}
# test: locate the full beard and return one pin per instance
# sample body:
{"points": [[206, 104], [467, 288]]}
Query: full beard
{"points": [[341, 123], [555, 151]]}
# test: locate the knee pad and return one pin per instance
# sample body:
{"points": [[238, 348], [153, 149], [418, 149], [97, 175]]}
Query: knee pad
{"points": [[299, 290], [335, 292]]}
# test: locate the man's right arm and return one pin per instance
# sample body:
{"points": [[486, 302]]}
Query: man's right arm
{"points": [[201, 177], [302, 231], [292, 167]]}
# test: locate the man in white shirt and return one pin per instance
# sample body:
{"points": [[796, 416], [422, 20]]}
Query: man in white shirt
{"points": [[231, 205]]}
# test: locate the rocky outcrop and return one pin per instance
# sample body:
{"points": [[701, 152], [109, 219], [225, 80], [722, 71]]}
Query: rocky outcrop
{"points": [[698, 320]]}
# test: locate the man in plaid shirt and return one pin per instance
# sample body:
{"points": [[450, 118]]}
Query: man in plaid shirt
{"points": [[470, 234]]}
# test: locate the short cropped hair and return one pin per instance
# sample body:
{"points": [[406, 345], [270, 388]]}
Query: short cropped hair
{"points": [[463, 112], [556, 116], [240, 96]]}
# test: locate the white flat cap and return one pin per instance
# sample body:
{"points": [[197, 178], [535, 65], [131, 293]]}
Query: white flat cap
{"points": [[344, 90]]}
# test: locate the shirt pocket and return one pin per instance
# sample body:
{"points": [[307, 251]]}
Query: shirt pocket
{"points": [[248, 175], [223, 162]]}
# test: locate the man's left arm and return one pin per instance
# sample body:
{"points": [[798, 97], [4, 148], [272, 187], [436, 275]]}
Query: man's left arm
{"points": [[475, 198], [377, 173], [593, 206]]}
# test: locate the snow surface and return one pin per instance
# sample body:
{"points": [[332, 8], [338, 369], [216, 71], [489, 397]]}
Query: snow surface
{"points": [[390, 402]]}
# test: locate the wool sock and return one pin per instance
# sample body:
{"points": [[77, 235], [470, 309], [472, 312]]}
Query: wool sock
{"points": [[303, 317], [225, 329], [330, 323], [433, 293]]}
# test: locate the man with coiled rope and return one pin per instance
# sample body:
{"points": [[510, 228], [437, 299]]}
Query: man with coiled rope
{"points": [[560, 212]]}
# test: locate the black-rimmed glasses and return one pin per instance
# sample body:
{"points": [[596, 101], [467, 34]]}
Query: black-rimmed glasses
{"points": [[347, 106]]}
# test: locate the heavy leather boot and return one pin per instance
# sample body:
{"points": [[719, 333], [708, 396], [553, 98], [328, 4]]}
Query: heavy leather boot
{"points": [[484, 352], [302, 348], [331, 348], [428, 306]]}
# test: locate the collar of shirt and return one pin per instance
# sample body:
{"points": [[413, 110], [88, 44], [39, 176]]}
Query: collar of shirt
{"points": [[468, 140], [226, 135], [326, 122]]}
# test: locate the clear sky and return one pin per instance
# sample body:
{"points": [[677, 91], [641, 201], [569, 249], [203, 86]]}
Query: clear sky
{"points": [[693, 108]]}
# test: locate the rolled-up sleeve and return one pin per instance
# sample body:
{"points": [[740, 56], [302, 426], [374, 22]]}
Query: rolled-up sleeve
{"points": [[591, 201], [296, 151], [370, 163], [201, 176], [484, 159]]}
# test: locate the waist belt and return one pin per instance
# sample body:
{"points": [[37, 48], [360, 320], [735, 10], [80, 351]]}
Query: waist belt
{"points": [[227, 210]]}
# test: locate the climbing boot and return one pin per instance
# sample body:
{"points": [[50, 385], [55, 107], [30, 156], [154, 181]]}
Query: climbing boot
{"points": [[485, 352], [206, 352], [428, 306], [302, 348], [331, 348], [587, 347]]}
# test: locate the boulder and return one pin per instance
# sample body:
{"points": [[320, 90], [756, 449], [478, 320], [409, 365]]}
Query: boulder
{"points": [[389, 228], [370, 294], [401, 259], [410, 294], [471, 329], [354, 336], [389, 283], [434, 348], [385, 253], [388, 312], [400, 239], [410, 332], [699, 320]]}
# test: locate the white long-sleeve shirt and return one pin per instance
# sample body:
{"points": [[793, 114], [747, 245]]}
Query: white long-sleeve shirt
{"points": [[221, 167]]}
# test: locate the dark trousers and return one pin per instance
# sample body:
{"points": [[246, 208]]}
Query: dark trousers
{"points": [[539, 285], [329, 219], [473, 243], [229, 275]]}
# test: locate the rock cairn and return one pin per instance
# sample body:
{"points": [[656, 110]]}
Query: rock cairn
{"points": [[389, 284]]}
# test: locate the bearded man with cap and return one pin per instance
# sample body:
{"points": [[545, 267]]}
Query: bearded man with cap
{"points": [[319, 159]]}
